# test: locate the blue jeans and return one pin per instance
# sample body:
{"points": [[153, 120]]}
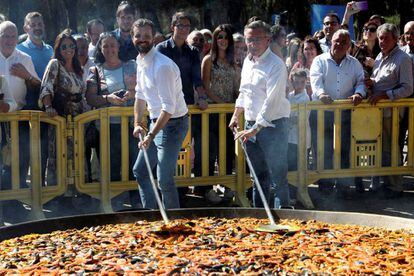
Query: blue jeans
{"points": [[163, 153], [268, 153]]}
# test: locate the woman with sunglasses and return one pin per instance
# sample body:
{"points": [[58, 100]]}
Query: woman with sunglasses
{"points": [[367, 48], [62, 91], [62, 88], [112, 83], [220, 81]]}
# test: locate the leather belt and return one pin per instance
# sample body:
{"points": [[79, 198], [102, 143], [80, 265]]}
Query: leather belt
{"points": [[171, 119]]}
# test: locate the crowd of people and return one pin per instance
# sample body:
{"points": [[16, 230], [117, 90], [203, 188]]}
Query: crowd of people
{"points": [[258, 69]]}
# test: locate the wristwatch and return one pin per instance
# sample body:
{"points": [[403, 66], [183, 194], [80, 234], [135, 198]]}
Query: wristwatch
{"points": [[150, 134], [203, 97]]}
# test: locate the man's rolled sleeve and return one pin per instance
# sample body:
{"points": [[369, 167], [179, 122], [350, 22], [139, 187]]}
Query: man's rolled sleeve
{"points": [[165, 88], [139, 94], [240, 100]]}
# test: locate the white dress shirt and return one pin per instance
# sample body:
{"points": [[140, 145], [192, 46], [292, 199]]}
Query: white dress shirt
{"points": [[338, 81], [7, 98], [85, 68], [91, 51], [159, 84], [299, 98], [263, 89], [17, 86]]}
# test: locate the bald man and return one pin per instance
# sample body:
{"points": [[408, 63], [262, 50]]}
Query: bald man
{"points": [[19, 72]]}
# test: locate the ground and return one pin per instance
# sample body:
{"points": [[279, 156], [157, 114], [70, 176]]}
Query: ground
{"points": [[367, 202]]}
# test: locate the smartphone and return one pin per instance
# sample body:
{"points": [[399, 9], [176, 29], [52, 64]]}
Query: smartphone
{"points": [[1, 97], [360, 6], [120, 93]]}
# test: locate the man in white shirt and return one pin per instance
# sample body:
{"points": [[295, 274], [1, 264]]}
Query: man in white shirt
{"points": [[336, 75], [19, 72], [266, 110], [159, 88]]}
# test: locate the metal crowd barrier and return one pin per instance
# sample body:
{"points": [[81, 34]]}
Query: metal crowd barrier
{"points": [[36, 194], [365, 151], [365, 145]]}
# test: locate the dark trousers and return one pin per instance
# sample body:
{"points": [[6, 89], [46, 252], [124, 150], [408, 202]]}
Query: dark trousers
{"points": [[24, 157], [196, 135], [115, 152], [329, 142], [214, 144]]}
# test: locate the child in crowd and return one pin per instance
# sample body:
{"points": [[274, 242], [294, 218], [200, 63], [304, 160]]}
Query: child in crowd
{"points": [[298, 79]]}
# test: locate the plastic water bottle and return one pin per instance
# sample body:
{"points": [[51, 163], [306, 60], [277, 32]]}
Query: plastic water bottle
{"points": [[276, 204]]}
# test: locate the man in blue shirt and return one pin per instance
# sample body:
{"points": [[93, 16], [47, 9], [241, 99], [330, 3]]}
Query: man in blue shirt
{"points": [[125, 17], [41, 53], [34, 46]]}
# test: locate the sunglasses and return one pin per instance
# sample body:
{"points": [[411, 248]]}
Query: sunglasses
{"points": [[372, 29], [64, 47], [221, 37]]}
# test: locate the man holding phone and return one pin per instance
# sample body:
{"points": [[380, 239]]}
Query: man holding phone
{"points": [[352, 8]]}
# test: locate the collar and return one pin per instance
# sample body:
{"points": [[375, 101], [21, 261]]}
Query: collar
{"points": [[31, 45], [147, 58], [393, 51], [261, 58], [11, 56], [407, 49], [117, 33], [347, 57], [173, 45]]}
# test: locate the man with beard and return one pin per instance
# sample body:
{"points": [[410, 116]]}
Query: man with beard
{"points": [[125, 16], [330, 26], [34, 46], [41, 53], [159, 88]]}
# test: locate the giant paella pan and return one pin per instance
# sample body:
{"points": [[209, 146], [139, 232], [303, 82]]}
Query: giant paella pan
{"points": [[218, 241]]}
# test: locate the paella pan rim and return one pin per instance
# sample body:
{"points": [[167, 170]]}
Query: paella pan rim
{"points": [[80, 221]]}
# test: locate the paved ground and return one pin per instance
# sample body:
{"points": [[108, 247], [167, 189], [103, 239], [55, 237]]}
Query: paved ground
{"points": [[367, 202]]}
